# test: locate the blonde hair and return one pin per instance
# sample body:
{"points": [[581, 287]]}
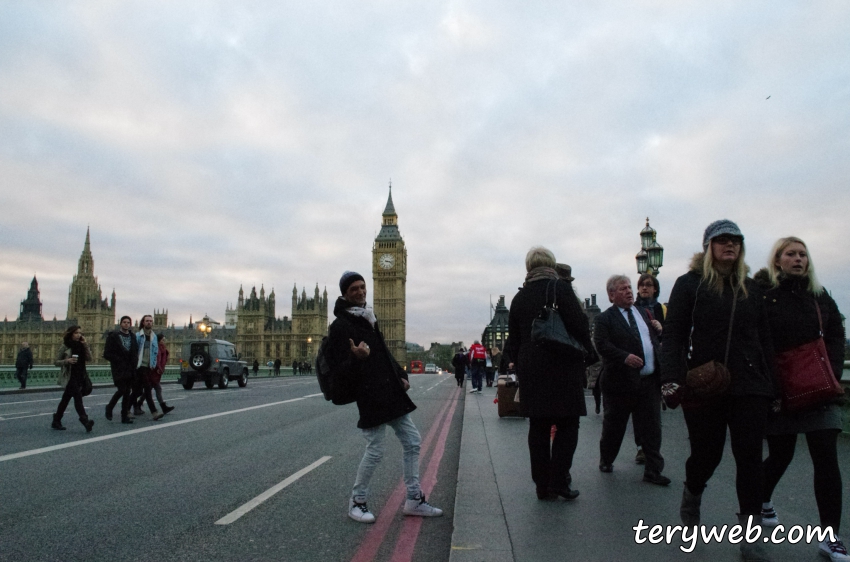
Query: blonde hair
{"points": [[775, 272], [539, 256], [714, 280]]}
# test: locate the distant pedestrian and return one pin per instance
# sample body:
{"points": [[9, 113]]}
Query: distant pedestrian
{"points": [[270, 365], [121, 350], [256, 367], [358, 353], [550, 383], [648, 290], [800, 311], [23, 363], [477, 364], [277, 367], [707, 304], [148, 345], [459, 362], [72, 358], [627, 341], [158, 371], [295, 367]]}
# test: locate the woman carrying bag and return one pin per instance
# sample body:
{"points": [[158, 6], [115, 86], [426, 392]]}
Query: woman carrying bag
{"points": [[800, 311], [72, 358], [716, 321]]}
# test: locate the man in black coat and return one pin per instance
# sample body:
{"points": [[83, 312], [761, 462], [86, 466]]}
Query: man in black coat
{"points": [[23, 363], [122, 351], [358, 356], [627, 341]]}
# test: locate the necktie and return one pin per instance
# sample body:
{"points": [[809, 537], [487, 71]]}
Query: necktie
{"points": [[633, 325]]}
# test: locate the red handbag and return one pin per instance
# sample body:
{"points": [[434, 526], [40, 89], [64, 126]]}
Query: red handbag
{"points": [[806, 375]]}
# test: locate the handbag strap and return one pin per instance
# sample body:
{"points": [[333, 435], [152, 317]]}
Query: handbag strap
{"points": [[820, 319], [731, 321], [554, 294]]}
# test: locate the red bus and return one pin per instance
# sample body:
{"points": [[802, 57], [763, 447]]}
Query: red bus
{"points": [[416, 367]]}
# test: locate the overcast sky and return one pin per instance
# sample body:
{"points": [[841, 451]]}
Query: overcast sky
{"points": [[209, 145]]}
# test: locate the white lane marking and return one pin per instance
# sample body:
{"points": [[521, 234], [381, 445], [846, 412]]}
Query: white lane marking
{"points": [[435, 386], [31, 452], [30, 416], [48, 399], [242, 510]]}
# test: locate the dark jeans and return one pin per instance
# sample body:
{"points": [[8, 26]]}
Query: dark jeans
{"points": [[21, 375], [824, 452], [477, 373], [72, 390], [123, 394], [551, 463], [459, 378], [644, 406], [142, 387], [745, 416]]}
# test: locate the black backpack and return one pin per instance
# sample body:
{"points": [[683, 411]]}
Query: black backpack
{"points": [[331, 389]]}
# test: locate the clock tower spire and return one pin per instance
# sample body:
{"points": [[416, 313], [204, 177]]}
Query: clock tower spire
{"points": [[389, 280]]}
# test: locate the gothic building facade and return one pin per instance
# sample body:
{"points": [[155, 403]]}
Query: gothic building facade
{"points": [[389, 282]]}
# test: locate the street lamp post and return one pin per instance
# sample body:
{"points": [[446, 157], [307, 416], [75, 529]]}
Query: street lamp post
{"points": [[205, 329], [651, 255]]}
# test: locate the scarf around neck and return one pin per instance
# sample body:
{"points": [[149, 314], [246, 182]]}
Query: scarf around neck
{"points": [[539, 273], [363, 312]]}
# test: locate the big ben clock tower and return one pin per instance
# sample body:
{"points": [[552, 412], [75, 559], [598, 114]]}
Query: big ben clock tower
{"points": [[389, 278]]}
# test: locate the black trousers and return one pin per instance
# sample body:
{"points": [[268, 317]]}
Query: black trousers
{"points": [[125, 387], [142, 388], [21, 375], [824, 452], [745, 416], [72, 390], [644, 406], [551, 462]]}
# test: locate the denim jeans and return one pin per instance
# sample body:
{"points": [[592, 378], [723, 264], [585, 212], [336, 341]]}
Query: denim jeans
{"points": [[410, 440], [477, 375]]}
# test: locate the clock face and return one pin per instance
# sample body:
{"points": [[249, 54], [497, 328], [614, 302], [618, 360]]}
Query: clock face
{"points": [[386, 261]]}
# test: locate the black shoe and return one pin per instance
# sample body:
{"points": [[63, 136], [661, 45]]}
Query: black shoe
{"points": [[126, 419], [545, 494], [138, 412], [87, 423], [656, 478], [566, 493], [57, 423], [108, 413], [597, 408], [166, 409], [606, 467]]}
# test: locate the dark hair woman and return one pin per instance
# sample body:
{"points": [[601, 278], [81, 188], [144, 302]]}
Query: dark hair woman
{"points": [[72, 358], [550, 385], [792, 301], [697, 332], [648, 290]]}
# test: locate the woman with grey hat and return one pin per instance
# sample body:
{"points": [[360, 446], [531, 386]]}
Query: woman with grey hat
{"points": [[716, 311]]}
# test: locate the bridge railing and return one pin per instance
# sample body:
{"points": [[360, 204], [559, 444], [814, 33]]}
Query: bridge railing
{"points": [[46, 375]]}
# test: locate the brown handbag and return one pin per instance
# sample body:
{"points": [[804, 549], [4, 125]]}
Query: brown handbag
{"points": [[712, 378], [806, 376]]}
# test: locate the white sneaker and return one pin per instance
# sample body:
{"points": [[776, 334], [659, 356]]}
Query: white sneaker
{"points": [[834, 550], [769, 517], [359, 512], [421, 508]]}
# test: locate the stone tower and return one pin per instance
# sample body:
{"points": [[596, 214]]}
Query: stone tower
{"points": [[31, 307], [389, 281], [86, 304]]}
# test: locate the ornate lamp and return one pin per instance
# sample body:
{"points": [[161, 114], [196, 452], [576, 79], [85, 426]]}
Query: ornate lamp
{"points": [[655, 255], [647, 235], [651, 255], [641, 258]]}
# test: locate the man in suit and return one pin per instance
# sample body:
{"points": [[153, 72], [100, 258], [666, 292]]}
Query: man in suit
{"points": [[627, 341]]}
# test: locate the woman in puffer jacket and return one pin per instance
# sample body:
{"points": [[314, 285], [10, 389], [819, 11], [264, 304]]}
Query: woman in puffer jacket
{"points": [[696, 332], [792, 299]]}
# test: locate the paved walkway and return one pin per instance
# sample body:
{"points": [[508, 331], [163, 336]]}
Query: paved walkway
{"points": [[499, 519]]}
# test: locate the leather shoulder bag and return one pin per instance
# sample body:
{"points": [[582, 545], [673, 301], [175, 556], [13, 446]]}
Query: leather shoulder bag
{"points": [[548, 330], [805, 374], [712, 378]]}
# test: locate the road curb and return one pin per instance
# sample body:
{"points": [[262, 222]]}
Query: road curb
{"points": [[480, 528]]}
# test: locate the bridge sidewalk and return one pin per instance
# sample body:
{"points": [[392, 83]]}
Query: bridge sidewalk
{"points": [[499, 518]]}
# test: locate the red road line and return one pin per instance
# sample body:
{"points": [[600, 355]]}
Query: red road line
{"points": [[410, 530], [375, 536]]}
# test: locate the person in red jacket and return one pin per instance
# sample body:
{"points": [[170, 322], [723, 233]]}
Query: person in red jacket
{"points": [[156, 373], [477, 363]]}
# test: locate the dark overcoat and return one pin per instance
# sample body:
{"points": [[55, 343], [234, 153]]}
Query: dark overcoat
{"points": [[122, 361], [377, 380], [550, 384], [614, 342]]}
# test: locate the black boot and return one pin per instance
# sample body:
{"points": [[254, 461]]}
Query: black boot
{"points": [[125, 418], [108, 413], [87, 423], [57, 422], [166, 408]]}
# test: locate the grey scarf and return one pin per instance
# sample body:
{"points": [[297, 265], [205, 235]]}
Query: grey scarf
{"points": [[363, 312], [539, 273]]}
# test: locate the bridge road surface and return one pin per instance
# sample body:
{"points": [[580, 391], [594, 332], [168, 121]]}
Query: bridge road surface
{"points": [[156, 495]]}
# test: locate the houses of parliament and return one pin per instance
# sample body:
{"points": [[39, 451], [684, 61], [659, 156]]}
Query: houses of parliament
{"points": [[252, 325]]}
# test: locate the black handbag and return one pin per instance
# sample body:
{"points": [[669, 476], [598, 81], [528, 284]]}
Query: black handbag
{"points": [[86, 386], [548, 331]]}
